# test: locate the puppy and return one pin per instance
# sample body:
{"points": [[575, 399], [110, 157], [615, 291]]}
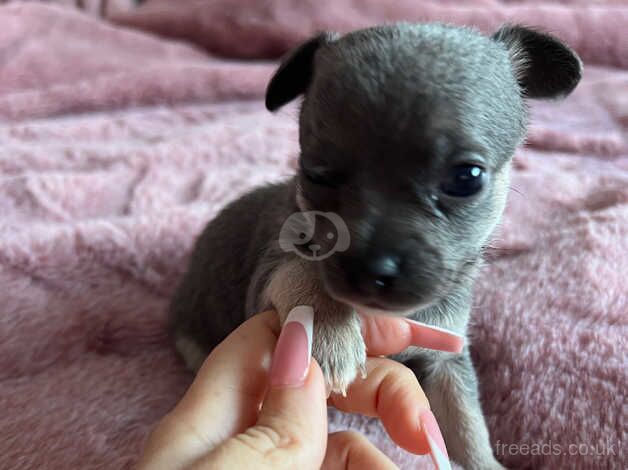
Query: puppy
{"points": [[406, 136]]}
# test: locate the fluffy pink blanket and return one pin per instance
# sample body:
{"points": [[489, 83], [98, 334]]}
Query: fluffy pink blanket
{"points": [[117, 146]]}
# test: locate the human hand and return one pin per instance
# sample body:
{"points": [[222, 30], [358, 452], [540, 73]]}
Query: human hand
{"points": [[250, 409]]}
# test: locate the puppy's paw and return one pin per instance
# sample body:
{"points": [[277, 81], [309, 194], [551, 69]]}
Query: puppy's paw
{"points": [[484, 462], [193, 355], [340, 351], [494, 465]]}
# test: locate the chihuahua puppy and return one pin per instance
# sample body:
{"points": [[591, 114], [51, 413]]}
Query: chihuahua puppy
{"points": [[406, 134]]}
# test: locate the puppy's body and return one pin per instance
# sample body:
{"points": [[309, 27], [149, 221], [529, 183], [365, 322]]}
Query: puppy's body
{"points": [[406, 134]]}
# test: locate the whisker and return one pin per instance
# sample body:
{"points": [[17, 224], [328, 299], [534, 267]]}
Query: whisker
{"points": [[512, 188]]}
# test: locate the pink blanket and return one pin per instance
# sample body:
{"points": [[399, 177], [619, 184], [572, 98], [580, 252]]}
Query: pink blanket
{"points": [[117, 146]]}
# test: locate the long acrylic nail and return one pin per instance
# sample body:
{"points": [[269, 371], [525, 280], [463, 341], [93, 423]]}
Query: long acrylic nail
{"points": [[438, 451], [433, 337], [291, 360]]}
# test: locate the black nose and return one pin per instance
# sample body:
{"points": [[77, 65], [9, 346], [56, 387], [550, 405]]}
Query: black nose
{"points": [[381, 271]]}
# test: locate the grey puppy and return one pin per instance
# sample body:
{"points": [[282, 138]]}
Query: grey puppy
{"points": [[406, 135]]}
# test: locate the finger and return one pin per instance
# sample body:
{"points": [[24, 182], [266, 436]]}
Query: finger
{"points": [[391, 392], [228, 389], [292, 427], [349, 450], [390, 335], [433, 337], [230, 385]]}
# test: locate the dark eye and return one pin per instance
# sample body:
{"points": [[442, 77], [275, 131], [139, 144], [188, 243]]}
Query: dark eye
{"points": [[324, 177], [463, 181]]}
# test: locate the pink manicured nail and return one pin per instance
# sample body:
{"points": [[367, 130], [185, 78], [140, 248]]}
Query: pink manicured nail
{"points": [[291, 359], [433, 337], [438, 451]]}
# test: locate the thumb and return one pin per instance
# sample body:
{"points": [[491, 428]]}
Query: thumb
{"points": [[291, 431]]}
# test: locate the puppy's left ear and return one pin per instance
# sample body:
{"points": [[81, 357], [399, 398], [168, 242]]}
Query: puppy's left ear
{"points": [[543, 65], [295, 72]]}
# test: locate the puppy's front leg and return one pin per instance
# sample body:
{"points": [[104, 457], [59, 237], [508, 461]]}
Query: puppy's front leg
{"points": [[338, 345], [450, 384]]}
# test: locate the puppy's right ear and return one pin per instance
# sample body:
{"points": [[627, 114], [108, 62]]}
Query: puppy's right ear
{"points": [[293, 75]]}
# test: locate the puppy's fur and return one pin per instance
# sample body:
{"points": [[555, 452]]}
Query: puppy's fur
{"points": [[391, 116]]}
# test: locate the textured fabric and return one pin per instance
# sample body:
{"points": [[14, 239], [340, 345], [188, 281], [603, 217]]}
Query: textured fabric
{"points": [[597, 30], [104, 8], [117, 147]]}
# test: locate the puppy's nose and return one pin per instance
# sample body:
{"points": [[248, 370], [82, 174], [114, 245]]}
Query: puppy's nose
{"points": [[382, 270]]}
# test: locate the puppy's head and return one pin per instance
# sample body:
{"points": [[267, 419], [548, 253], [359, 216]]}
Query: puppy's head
{"points": [[406, 132]]}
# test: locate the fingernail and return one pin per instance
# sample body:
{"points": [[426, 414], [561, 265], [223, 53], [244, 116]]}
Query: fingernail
{"points": [[291, 359], [433, 337], [438, 451]]}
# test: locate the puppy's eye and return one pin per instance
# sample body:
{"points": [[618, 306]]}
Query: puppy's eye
{"points": [[324, 177], [463, 180]]}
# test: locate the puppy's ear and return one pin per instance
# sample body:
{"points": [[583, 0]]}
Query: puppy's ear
{"points": [[543, 65], [293, 75]]}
